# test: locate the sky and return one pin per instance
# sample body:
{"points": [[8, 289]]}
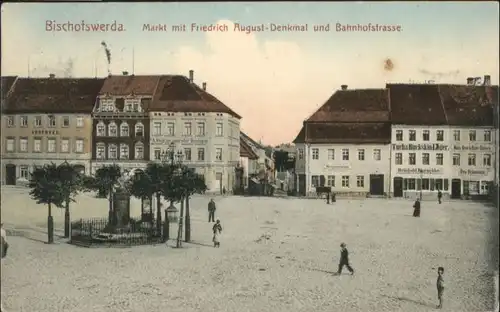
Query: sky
{"points": [[273, 79]]}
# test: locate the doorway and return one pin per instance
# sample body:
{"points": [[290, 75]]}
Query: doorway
{"points": [[302, 184], [10, 174], [218, 177], [376, 184], [398, 187], [455, 188]]}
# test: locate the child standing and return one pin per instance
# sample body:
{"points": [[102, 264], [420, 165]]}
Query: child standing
{"points": [[217, 229], [440, 286]]}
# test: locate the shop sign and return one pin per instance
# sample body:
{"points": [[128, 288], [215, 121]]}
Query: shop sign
{"points": [[334, 167], [479, 147], [469, 172], [419, 171], [420, 147]]}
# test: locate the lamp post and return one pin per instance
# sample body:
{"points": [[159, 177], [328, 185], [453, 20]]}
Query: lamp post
{"points": [[421, 180]]}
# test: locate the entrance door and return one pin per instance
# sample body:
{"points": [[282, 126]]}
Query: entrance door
{"points": [[376, 184], [398, 187], [302, 184], [10, 174], [455, 188], [218, 177]]}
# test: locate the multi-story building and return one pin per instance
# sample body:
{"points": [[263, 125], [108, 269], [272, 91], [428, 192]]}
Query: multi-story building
{"points": [[121, 122], [345, 144], [248, 161], [186, 118], [46, 120]]}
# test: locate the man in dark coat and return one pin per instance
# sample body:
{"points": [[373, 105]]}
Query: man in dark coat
{"points": [[416, 208], [344, 260], [211, 211], [440, 195]]}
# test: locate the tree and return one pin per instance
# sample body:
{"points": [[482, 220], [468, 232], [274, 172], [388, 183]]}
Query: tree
{"points": [[71, 183], [104, 181], [47, 189]]}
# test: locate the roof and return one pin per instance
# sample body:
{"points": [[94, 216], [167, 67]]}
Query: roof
{"points": [[246, 151], [416, 104], [300, 138], [244, 136], [176, 93], [351, 133], [357, 105], [6, 84], [467, 105], [127, 85], [53, 95]]}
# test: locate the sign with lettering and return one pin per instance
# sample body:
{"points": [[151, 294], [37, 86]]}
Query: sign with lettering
{"points": [[420, 147], [469, 172], [420, 171], [333, 167], [478, 147], [166, 142]]}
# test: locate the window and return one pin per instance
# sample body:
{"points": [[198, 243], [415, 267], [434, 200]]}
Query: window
{"points": [[360, 181], [187, 128], [413, 135], [426, 135], [201, 154], [79, 122], [112, 151], [112, 129], [11, 121], [24, 121], [399, 135], [23, 144], [218, 154], [345, 181], [361, 154], [219, 129], [79, 145], [377, 154], [472, 160], [51, 145], [331, 154], [331, 180], [25, 173], [139, 129], [37, 145], [456, 159], [411, 184], [11, 143], [439, 159], [456, 135], [487, 135], [472, 135], [315, 181], [425, 158], [187, 154], [171, 128], [484, 187], [157, 154], [64, 145], [345, 154], [438, 184], [124, 129], [38, 122], [412, 159], [157, 128], [139, 151], [101, 129], [100, 151], [52, 121], [301, 153], [65, 121], [399, 158], [486, 160], [200, 129], [440, 135], [425, 184], [315, 153], [124, 151]]}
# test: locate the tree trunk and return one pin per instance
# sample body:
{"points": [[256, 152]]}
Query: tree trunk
{"points": [[50, 225], [66, 220], [110, 213], [158, 212], [187, 237], [179, 232]]}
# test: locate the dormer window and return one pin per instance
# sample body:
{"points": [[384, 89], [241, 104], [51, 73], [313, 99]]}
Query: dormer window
{"points": [[120, 104], [139, 129]]}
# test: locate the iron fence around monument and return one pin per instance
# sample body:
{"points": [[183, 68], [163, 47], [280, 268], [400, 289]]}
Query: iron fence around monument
{"points": [[97, 232]]}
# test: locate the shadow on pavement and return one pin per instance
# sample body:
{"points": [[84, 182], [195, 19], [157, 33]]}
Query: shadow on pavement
{"points": [[324, 271], [425, 304]]}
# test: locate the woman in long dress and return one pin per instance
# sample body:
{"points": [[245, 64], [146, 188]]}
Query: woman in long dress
{"points": [[217, 230]]}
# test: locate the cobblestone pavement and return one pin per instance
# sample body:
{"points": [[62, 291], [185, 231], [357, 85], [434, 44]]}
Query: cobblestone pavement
{"points": [[276, 255]]}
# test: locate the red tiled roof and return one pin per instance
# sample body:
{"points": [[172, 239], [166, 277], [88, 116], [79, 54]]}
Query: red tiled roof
{"points": [[246, 151], [301, 136], [126, 85], [469, 105], [357, 105], [53, 95], [177, 94], [350, 133], [416, 104]]}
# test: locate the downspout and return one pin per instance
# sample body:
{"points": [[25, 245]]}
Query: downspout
{"points": [[390, 142]]}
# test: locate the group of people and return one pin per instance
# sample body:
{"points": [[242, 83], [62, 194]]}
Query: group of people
{"points": [[217, 227]]}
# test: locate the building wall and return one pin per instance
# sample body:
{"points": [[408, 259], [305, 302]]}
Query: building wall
{"points": [[77, 130]]}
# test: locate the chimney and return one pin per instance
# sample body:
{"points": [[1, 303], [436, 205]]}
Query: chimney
{"points": [[343, 87], [125, 73], [204, 86], [487, 80], [470, 80], [191, 76], [52, 76]]}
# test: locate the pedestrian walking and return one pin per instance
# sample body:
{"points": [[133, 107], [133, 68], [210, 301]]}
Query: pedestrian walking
{"points": [[217, 230], [416, 208], [344, 259], [440, 195], [211, 210], [3, 249], [440, 286]]}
